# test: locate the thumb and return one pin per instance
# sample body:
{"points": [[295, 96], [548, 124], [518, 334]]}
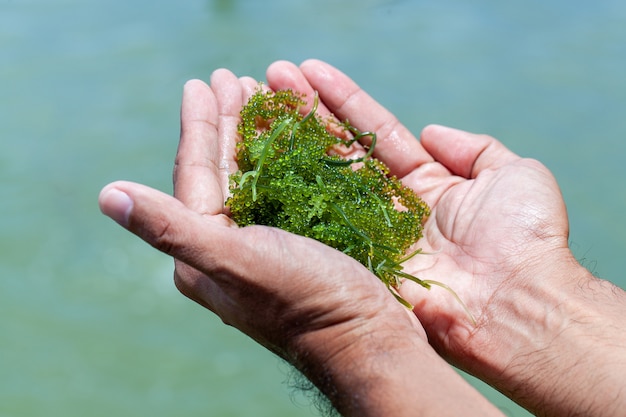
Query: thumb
{"points": [[161, 220], [213, 244], [463, 153]]}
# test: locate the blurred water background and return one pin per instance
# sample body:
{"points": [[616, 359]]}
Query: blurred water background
{"points": [[90, 322]]}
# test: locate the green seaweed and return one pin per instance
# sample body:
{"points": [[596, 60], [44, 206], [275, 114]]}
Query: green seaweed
{"points": [[290, 178]]}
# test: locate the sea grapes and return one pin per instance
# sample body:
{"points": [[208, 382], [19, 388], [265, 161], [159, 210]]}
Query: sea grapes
{"points": [[290, 177]]}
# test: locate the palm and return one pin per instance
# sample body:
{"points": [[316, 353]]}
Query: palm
{"points": [[480, 231]]}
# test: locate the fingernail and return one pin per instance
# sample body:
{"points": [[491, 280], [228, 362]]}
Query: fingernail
{"points": [[116, 204]]}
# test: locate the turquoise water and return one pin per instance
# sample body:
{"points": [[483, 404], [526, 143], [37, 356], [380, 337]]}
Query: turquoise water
{"points": [[91, 323]]}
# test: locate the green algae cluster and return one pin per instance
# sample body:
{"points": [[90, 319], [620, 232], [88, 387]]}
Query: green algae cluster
{"points": [[290, 178]]}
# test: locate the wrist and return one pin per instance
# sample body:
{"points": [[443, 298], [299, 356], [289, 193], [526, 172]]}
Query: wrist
{"points": [[380, 366], [347, 364], [560, 346]]}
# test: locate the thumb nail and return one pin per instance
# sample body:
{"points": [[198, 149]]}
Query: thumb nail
{"points": [[116, 204]]}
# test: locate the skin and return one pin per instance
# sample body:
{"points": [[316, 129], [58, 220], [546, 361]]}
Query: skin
{"points": [[548, 333]]}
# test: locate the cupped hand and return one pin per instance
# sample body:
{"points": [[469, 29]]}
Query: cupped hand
{"points": [[299, 298], [496, 218]]}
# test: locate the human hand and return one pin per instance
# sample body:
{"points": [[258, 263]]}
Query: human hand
{"points": [[470, 228], [244, 275], [312, 305], [498, 234]]}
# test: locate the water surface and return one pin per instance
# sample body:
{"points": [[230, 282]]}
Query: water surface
{"points": [[91, 322]]}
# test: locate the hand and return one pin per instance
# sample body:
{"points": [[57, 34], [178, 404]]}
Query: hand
{"points": [[246, 276], [311, 304], [498, 235], [491, 210]]}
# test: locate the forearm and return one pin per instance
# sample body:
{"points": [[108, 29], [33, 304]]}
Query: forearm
{"points": [[389, 372], [563, 344]]}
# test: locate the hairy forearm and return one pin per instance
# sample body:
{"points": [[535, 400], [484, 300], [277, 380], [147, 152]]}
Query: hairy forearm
{"points": [[388, 372], [562, 345]]}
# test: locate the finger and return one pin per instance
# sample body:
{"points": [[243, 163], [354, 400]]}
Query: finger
{"points": [[196, 171], [163, 222], [465, 154], [229, 95], [197, 243], [283, 75], [395, 146], [250, 86]]}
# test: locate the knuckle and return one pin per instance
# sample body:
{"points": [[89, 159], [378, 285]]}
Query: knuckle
{"points": [[161, 236]]}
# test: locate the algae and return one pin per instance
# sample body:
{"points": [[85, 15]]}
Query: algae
{"points": [[292, 177]]}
